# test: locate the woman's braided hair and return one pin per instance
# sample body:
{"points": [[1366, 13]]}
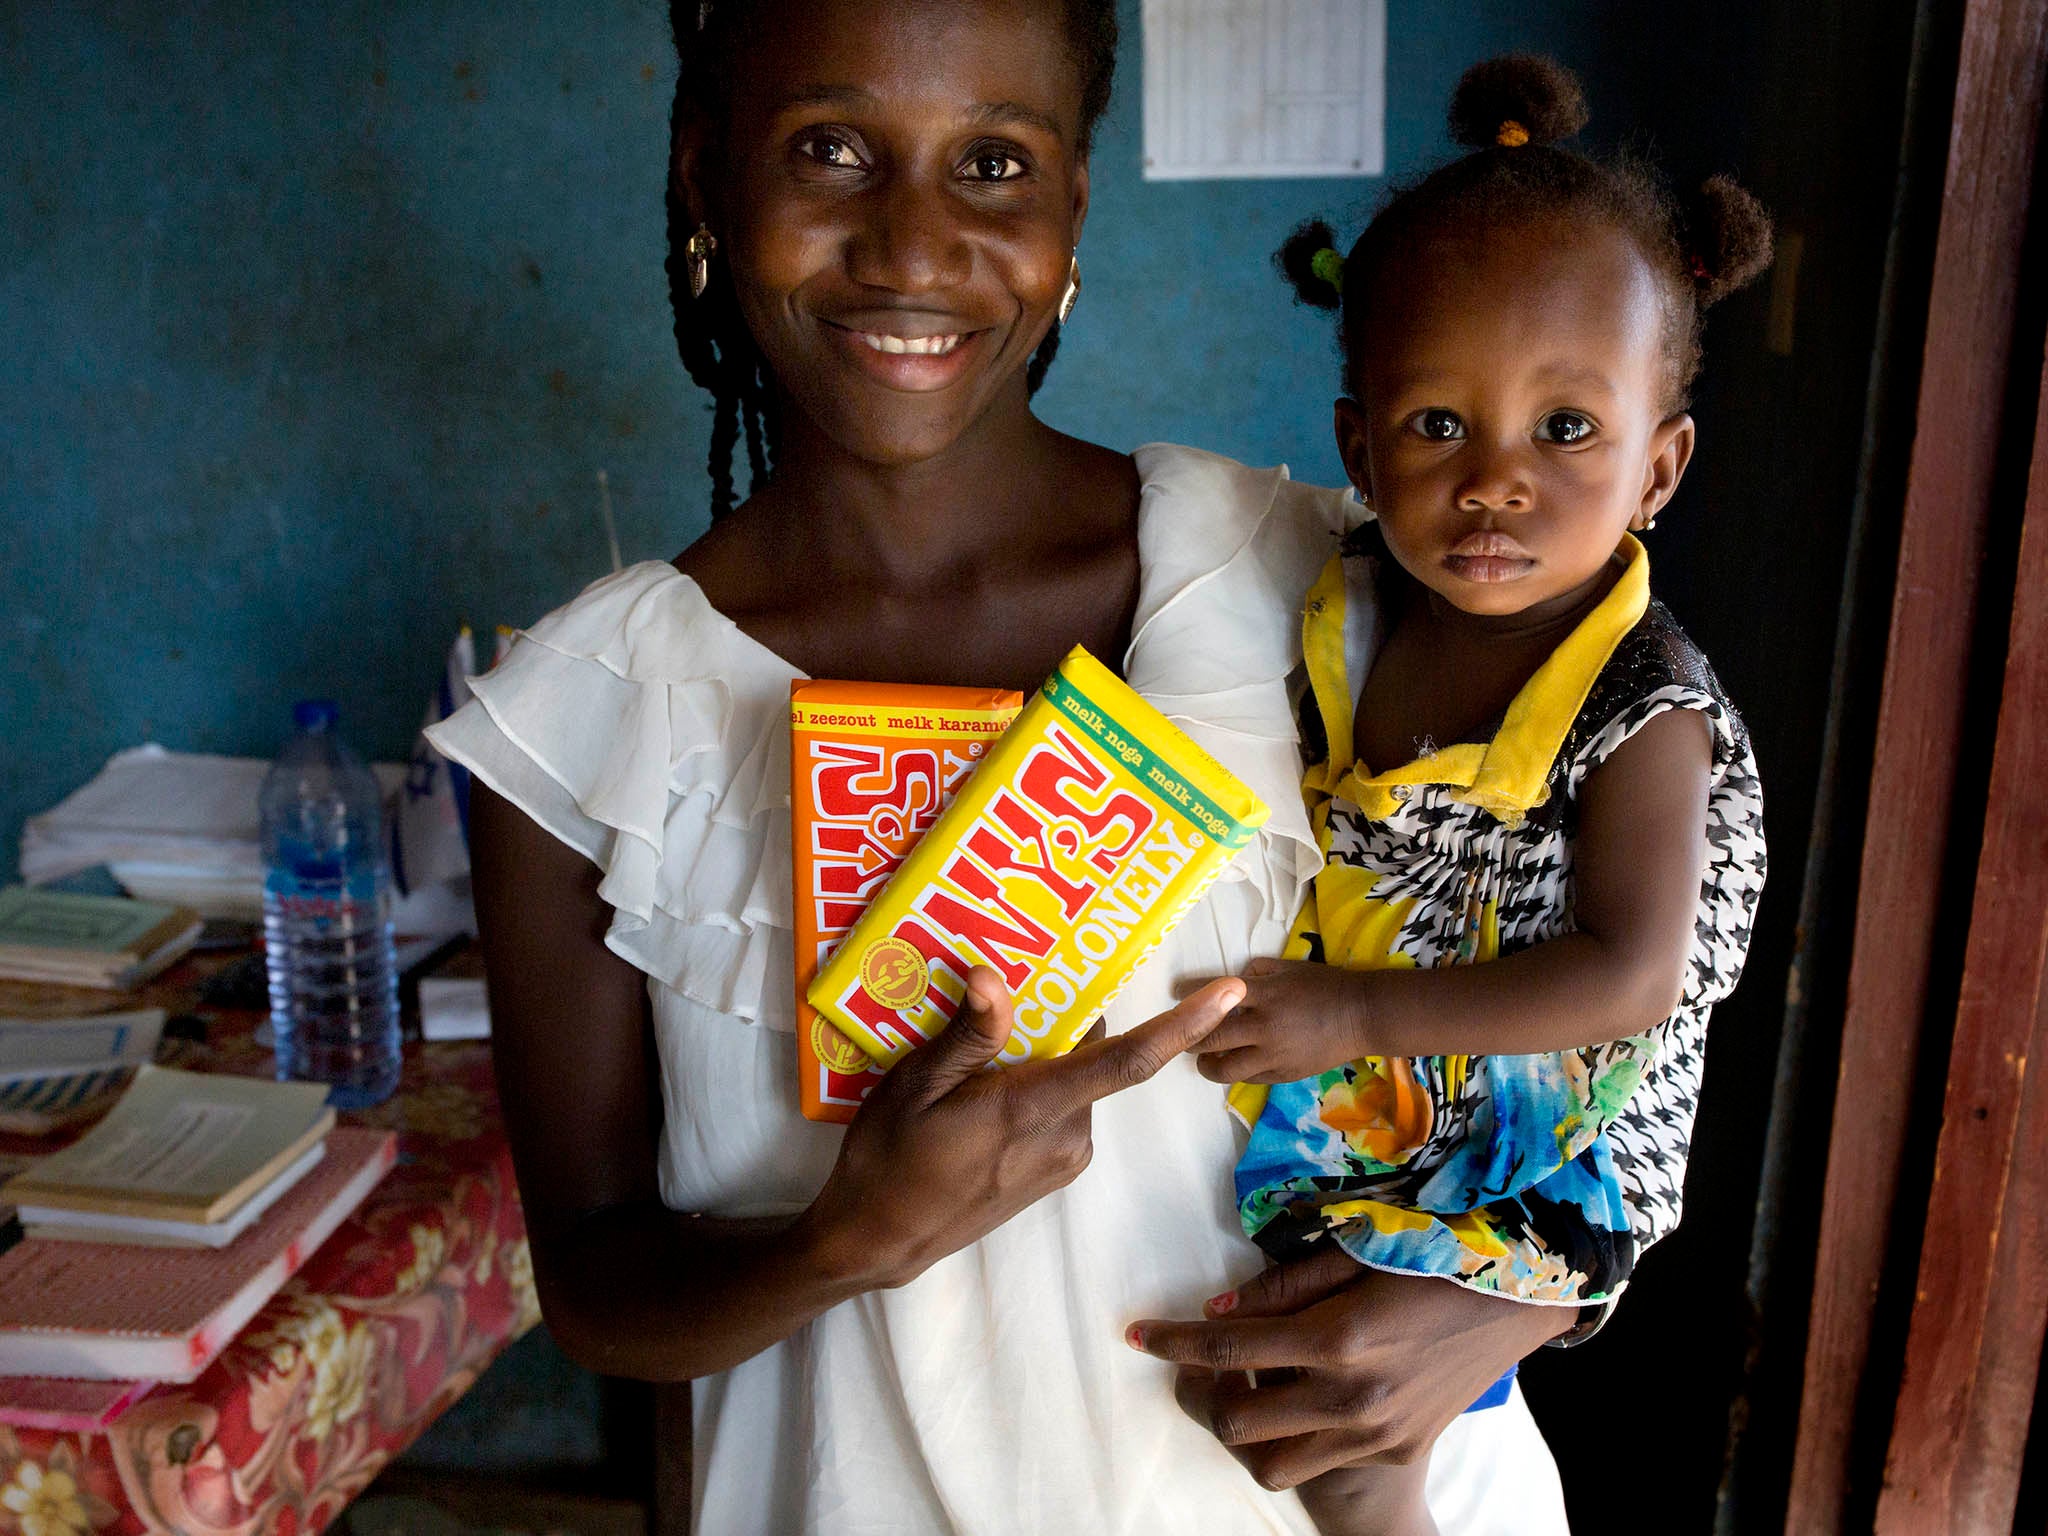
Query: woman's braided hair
{"points": [[716, 346], [1509, 111]]}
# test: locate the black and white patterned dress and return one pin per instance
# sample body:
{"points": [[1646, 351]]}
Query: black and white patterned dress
{"points": [[1539, 1177]]}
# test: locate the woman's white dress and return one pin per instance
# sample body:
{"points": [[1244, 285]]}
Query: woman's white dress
{"points": [[994, 1395]]}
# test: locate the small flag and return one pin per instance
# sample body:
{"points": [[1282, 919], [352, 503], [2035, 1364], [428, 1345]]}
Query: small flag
{"points": [[430, 831]]}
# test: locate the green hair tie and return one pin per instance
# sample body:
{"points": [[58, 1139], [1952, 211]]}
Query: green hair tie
{"points": [[1328, 264]]}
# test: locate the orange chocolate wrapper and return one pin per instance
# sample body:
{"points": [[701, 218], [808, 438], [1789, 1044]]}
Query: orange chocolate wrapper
{"points": [[871, 766]]}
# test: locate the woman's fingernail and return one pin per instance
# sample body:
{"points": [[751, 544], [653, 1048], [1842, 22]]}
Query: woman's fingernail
{"points": [[1216, 1306], [1135, 1336]]}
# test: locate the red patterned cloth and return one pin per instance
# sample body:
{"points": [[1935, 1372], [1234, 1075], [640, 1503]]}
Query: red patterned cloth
{"points": [[383, 1328]]}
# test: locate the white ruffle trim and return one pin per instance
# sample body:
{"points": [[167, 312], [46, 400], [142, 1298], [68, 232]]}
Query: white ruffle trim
{"points": [[646, 730], [1228, 554]]}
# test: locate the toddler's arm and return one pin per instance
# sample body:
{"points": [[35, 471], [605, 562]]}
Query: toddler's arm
{"points": [[1639, 856]]}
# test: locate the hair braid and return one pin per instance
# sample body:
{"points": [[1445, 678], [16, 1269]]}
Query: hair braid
{"points": [[1041, 360], [752, 409], [725, 431]]}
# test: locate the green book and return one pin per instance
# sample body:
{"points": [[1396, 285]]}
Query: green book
{"points": [[93, 941]]}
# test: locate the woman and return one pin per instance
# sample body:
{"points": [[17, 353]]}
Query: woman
{"points": [[916, 1325]]}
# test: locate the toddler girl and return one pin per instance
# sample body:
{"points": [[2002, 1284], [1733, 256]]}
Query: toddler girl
{"points": [[1539, 814]]}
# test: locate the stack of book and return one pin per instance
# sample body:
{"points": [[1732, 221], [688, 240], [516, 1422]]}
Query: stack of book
{"points": [[185, 1159], [89, 941], [231, 1182], [55, 1072]]}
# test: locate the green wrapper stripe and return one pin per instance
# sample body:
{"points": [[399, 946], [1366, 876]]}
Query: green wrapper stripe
{"points": [[1157, 774]]}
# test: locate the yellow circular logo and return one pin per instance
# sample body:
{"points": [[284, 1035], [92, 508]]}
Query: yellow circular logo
{"points": [[835, 1050], [892, 972]]}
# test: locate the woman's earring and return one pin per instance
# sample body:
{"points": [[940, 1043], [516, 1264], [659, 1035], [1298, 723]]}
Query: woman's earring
{"points": [[697, 256], [1073, 287], [1647, 523]]}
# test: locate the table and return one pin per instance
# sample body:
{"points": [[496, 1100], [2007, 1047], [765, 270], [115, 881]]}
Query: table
{"points": [[380, 1331]]}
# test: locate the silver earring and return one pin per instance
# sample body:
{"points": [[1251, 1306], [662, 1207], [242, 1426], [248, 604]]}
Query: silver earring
{"points": [[697, 257], [1073, 292]]}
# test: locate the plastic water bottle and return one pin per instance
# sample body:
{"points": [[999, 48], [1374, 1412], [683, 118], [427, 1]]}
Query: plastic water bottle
{"points": [[327, 916]]}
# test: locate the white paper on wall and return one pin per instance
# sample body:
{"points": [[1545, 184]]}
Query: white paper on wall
{"points": [[1239, 88]]}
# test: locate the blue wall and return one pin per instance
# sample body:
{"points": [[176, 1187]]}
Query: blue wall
{"points": [[319, 322]]}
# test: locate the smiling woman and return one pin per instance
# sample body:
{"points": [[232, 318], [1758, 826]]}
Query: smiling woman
{"points": [[1020, 166], [916, 1324]]}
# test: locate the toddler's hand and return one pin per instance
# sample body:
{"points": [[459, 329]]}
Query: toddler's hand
{"points": [[1298, 1018]]}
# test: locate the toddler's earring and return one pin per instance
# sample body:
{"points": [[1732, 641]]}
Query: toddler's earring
{"points": [[1073, 292], [697, 257]]}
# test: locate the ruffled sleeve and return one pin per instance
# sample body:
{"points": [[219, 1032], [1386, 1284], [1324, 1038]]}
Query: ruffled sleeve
{"points": [[1228, 553], [648, 732]]}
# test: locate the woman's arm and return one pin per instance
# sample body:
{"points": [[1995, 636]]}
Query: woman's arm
{"points": [[1338, 1346], [1637, 863], [617, 1270], [941, 1153]]}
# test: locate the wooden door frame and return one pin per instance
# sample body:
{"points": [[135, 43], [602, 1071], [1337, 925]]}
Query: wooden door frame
{"points": [[1968, 1333]]}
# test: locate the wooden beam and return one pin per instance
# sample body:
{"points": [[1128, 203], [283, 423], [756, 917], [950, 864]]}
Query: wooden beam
{"points": [[1984, 1489], [1966, 1242], [1949, 486]]}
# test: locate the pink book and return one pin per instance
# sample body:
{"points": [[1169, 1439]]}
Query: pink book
{"points": [[113, 1311], [67, 1407]]}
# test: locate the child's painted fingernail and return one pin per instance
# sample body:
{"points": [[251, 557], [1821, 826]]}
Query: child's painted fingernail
{"points": [[1216, 1306], [1135, 1336]]}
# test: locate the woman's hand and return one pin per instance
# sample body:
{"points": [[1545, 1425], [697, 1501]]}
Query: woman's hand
{"points": [[1298, 1018], [943, 1152], [1353, 1364]]}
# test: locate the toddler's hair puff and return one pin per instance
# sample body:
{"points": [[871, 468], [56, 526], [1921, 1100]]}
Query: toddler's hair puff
{"points": [[1728, 238], [1305, 262], [1537, 95], [1511, 112]]}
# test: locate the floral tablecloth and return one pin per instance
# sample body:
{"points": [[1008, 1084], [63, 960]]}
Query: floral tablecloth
{"points": [[383, 1328]]}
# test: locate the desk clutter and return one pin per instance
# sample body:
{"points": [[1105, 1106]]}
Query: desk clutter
{"points": [[106, 1311], [227, 1301], [90, 941], [262, 1384], [152, 1239], [184, 1160], [57, 1071]]}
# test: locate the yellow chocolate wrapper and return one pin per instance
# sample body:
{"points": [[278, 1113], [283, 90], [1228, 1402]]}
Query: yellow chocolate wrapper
{"points": [[1090, 827]]}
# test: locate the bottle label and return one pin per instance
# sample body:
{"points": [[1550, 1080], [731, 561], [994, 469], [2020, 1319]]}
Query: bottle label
{"points": [[325, 896]]}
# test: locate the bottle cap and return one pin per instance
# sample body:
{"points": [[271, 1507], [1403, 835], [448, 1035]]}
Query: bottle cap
{"points": [[315, 714]]}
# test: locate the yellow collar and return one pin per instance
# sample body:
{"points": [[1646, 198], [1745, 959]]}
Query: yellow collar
{"points": [[1508, 776]]}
